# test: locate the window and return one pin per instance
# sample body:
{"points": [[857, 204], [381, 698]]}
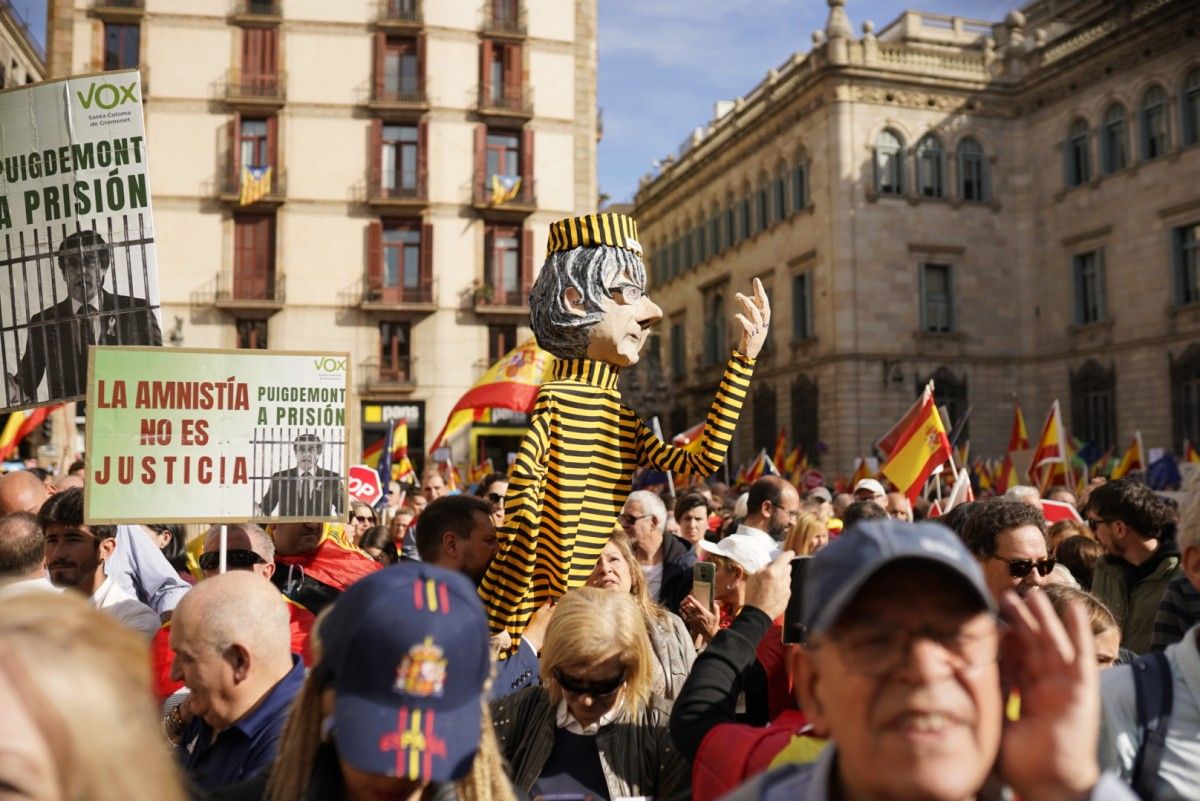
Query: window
{"points": [[1185, 395], [121, 44], [1189, 99], [253, 257], [765, 420], [501, 339], [1093, 405], [889, 164], [678, 351], [1113, 155], [972, 171], [1156, 138], [744, 218], [394, 350], [252, 334], [503, 156], [779, 197], [398, 155], [259, 76], [730, 236], [800, 183], [1089, 287], [253, 143], [402, 257], [801, 307], [714, 233], [937, 298], [931, 167], [503, 73], [714, 331], [676, 257], [506, 14], [762, 208], [1186, 249], [1077, 156], [700, 248], [805, 415], [503, 267], [401, 69]]}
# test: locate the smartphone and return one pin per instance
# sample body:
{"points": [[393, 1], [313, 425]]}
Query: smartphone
{"points": [[793, 616], [704, 577]]}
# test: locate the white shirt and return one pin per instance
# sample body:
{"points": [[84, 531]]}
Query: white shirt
{"points": [[38, 584], [653, 575], [567, 721], [129, 611], [766, 539]]}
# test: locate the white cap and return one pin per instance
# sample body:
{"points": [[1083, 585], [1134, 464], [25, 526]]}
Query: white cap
{"points": [[747, 552], [870, 484]]}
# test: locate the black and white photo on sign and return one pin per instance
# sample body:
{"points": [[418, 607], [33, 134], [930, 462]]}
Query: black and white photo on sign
{"points": [[298, 473]]}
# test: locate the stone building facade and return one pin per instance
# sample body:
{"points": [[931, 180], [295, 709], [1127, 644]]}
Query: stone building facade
{"points": [[419, 151], [1006, 208], [21, 57]]}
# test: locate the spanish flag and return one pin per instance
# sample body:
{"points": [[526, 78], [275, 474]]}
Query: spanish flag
{"points": [[393, 464], [861, 470], [1189, 453], [781, 449], [1134, 458], [921, 449], [19, 425], [477, 473], [256, 184], [511, 383], [1050, 464]]}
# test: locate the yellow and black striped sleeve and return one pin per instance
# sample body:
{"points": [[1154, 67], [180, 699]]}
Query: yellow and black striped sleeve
{"points": [[708, 456]]}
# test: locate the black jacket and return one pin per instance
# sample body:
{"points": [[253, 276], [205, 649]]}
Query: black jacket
{"points": [[323, 497], [678, 558]]}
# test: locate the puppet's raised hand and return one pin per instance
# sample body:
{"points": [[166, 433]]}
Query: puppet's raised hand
{"points": [[755, 320]]}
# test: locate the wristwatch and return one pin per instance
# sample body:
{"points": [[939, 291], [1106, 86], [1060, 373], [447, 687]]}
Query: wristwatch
{"points": [[173, 724]]}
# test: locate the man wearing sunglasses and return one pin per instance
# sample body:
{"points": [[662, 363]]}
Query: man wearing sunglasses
{"points": [[1008, 538]]}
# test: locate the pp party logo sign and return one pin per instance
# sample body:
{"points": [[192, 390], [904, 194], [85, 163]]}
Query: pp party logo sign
{"points": [[364, 485]]}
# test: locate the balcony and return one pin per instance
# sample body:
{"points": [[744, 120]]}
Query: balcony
{"points": [[503, 19], [259, 13], [249, 294], [255, 92], [512, 209], [119, 10], [401, 197], [229, 188], [515, 102], [404, 101], [394, 376], [397, 300], [399, 15], [492, 299]]}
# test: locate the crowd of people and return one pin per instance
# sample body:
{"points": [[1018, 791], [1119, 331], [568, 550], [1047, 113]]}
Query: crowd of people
{"points": [[773, 643]]}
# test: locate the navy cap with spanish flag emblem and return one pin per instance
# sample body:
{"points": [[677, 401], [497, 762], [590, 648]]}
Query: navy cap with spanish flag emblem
{"points": [[614, 230]]}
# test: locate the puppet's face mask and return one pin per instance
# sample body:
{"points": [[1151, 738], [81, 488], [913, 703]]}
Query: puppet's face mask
{"points": [[629, 314]]}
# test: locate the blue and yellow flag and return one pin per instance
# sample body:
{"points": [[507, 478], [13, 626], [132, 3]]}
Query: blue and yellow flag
{"points": [[256, 184], [505, 188]]}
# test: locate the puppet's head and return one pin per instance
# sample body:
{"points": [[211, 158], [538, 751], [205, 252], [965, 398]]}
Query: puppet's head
{"points": [[589, 299]]}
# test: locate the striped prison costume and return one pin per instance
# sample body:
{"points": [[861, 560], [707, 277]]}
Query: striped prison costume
{"points": [[572, 475]]}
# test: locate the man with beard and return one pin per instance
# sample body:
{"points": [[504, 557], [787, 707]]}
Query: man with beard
{"points": [[75, 558], [771, 510]]}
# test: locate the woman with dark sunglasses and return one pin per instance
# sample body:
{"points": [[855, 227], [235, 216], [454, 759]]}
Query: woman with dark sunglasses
{"points": [[593, 728], [362, 517]]}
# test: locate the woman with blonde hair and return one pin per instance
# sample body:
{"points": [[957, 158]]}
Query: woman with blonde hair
{"points": [[670, 644], [808, 536], [593, 728], [79, 719]]}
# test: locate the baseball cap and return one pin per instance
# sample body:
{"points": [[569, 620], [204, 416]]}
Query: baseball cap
{"points": [[820, 493], [406, 650], [870, 484], [843, 567], [748, 552]]}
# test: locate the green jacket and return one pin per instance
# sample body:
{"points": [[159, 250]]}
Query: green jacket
{"points": [[1132, 592]]}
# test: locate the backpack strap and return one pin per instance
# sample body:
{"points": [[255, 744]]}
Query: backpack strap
{"points": [[1152, 683]]}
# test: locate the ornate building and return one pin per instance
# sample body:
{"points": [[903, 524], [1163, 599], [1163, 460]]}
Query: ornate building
{"points": [[1002, 207], [21, 57]]}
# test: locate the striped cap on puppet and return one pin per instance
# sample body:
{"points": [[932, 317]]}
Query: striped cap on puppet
{"points": [[614, 230]]}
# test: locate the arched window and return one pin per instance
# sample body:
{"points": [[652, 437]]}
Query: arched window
{"points": [[805, 416], [689, 250], [701, 240], [800, 182], [762, 206], [1113, 150], [1093, 404], [889, 164], [729, 236], [715, 244], [1077, 155], [1156, 133], [1185, 395], [1189, 99], [931, 167], [779, 196], [972, 171], [765, 419]]}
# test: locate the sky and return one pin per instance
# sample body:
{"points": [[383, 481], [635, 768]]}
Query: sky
{"points": [[34, 14], [663, 63]]}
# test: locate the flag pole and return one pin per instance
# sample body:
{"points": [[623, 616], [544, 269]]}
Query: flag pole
{"points": [[657, 428], [223, 547]]}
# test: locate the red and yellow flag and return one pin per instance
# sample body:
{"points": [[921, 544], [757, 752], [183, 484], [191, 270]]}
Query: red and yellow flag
{"points": [[511, 383], [1134, 458], [1051, 462], [861, 470], [1189, 453], [780, 454], [1018, 439], [919, 450], [19, 425]]}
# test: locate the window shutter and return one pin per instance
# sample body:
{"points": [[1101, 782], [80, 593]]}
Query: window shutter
{"points": [[421, 56], [490, 268], [950, 298], [480, 158], [426, 261], [1077, 263], [272, 151], [485, 70], [376, 155], [270, 52], [513, 73], [923, 296], [526, 262], [423, 158], [527, 163], [374, 257], [1101, 279], [235, 147], [380, 50]]}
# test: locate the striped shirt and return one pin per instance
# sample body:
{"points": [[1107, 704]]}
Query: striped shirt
{"points": [[572, 475], [1178, 611]]}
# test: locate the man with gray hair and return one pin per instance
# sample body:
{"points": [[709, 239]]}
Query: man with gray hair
{"points": [[22, 555], [666, 560], [233, 651]]}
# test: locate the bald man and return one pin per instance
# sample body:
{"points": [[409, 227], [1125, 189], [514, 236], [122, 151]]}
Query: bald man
{"points": [[233, 651], [22, 491], [22, 555]]}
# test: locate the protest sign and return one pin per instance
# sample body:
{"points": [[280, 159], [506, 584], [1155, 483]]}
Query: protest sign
{"points": [[77, 252], [364, 484], [189, 435]]}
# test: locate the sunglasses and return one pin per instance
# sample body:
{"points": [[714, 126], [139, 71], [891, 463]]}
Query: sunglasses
{"points": [[597, 690], [362, 519], [234, 560], [495, 497], [1020, 568]]}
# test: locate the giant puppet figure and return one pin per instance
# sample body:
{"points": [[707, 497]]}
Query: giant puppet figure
{"points": [[575, 467]]}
